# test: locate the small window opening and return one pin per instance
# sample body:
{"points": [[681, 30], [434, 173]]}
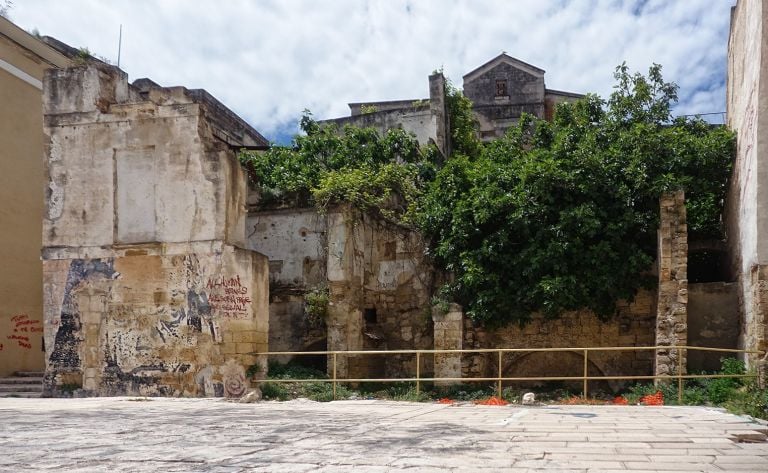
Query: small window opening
{"points": [[370, 317], [501, 88]]}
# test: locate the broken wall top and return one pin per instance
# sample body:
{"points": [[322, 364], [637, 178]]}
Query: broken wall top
{"points": [[128, 165]]}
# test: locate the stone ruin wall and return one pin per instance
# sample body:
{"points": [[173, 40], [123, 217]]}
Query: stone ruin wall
{"points": [[294, 240], [747, 205], [370, 264], [147, 287], [154, 324], [634, 326], [366, 265]]}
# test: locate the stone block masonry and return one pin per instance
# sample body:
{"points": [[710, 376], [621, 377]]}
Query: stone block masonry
{"points": [[448, 336], [633, 326], [170, 322], [672, 304], [148, 289]]}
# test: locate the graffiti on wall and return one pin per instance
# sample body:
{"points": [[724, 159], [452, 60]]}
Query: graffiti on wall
{"points": [[228, 296], [22, 327]]}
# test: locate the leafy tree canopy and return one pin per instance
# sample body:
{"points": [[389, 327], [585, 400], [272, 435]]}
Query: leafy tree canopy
{"points": [[554, 216], [562, 215], [381, 174]]}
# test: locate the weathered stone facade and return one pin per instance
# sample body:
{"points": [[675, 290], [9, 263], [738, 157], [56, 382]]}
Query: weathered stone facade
{"points": [[672, 304], [504, 88], [747, 203], [147, 286], [449, 335], [501, 90], [378, 281], [294, 239], [426, 119], [713, 321], [633, 326]]}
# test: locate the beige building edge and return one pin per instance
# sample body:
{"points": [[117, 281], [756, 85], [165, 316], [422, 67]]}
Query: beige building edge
{"points": [[23, 60]]}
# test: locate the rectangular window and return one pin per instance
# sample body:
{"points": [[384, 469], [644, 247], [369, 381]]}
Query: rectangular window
{"points": [[501, 88], [370, 317]]}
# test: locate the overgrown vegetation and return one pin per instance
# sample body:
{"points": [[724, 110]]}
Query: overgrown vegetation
{"points": [[325, 166], [562, 215], [316, 306], [555, 216], [738, 395]]}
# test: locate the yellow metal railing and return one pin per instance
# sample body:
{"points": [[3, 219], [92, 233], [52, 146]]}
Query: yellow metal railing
{"points": [[499, 379]]}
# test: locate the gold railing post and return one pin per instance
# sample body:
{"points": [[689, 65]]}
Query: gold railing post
{"points": [[334, 376], [586, 373], [418, 363], [679, 375], [499, 377]]}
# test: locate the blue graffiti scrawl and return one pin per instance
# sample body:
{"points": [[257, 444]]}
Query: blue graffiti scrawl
{"points": [[64, 355]]}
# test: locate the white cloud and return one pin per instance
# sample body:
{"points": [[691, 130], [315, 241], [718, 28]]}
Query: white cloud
{"points": [[268, 60]]}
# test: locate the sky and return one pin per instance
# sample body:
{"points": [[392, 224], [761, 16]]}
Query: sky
{"points": [[268, 60]]}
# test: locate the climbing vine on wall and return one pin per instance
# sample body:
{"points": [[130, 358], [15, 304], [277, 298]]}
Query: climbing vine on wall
{"points": [[383, 174]]}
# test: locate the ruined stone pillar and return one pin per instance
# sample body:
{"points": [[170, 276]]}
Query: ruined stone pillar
{"points": [[345, 278], [755, 323], [448, 336], [438, 106], [672, 304]]}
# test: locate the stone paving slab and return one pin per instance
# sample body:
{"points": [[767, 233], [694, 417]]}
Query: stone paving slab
{"points": [[212, 435]]}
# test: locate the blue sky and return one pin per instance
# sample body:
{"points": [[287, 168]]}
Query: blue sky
{"points": [[270, 59]]}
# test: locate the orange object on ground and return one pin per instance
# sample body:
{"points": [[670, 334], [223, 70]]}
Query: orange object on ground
{"points": [[493, 401], [445, 400], [620, 400], [653, 399]]}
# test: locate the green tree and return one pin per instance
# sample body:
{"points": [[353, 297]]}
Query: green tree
{"points": [[382, 174], [562, 216]]}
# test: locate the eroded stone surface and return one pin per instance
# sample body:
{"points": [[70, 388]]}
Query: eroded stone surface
{"points": [[366, 436]]}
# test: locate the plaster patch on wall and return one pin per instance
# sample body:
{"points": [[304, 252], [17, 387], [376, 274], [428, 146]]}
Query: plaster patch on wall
{"points": [[55, 200]]}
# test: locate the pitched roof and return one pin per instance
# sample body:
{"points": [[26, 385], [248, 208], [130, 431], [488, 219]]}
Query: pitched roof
{"points": [[503, 58]]}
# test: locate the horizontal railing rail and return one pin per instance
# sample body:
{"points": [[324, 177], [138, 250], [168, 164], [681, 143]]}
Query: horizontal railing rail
{"points": [[679, 351]]}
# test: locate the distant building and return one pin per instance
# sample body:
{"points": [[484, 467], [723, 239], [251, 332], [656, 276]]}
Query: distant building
{"points": [[501, 90], [504, 88]]}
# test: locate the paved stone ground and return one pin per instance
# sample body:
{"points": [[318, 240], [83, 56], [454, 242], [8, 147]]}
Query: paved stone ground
{"points": [[195, 435]]}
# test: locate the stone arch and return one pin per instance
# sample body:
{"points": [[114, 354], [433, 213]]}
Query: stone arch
{"points": [[556, 363]]}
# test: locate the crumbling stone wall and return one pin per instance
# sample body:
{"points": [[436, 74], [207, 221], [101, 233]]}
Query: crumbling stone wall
{"points": [[294, 240], [449, 327], [713, 321], [427, 119], [380, 288], [378, 281], [159, 323], [147, 287], [747, 201], [633, 326], [671, 317]]}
